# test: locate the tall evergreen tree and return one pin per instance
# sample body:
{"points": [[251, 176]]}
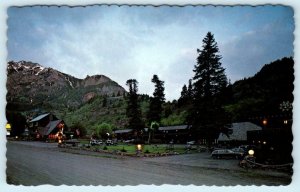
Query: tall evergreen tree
{"points": [[133, 111], [190, 90], [186, 96], [156, 102], [189, 103], [209, 81], [183, 96], [184, 92]]}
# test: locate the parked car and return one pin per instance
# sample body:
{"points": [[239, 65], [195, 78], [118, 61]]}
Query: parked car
{"points": [[240, 152], [129, 141], [109, 142], [190, 143], [95, 142], [225, 153]]}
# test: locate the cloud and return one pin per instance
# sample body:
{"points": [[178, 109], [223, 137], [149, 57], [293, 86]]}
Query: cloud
{"points": [[120, 51], [138, 42], [244, 55]]}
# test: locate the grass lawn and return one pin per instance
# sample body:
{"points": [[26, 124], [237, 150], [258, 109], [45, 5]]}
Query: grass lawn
{"points": [[147, 149], [150, 149], [84, 141]]}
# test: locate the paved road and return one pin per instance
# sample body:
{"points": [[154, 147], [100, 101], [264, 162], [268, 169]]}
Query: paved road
{"points": [[34, 163]]}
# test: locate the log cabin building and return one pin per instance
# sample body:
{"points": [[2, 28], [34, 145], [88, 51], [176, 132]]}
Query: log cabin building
{"points": [[45, 126]]}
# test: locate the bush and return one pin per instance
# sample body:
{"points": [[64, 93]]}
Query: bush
{"points": [[123, 150], [102, 129], [81, 130], [147, 151], [104, 148], [156, 141]]}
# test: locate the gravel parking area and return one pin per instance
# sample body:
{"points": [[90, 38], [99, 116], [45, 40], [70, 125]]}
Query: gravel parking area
{"points": [[198, 160], [35, 163]]}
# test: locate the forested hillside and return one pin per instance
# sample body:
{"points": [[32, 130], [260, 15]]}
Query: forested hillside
{"points": [[94, 103], [263, 93]]}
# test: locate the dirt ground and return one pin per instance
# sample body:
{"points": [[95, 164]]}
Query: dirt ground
{"points": [[36, 163]]}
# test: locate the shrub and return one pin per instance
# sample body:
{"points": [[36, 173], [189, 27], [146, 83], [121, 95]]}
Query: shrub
{"points": [[104, 148], [123, 150], [102, 129]]}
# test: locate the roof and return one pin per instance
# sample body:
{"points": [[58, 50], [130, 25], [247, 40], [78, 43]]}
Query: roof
{"points": [[127, 130], [176, 127], [123, 131], [39, 117], [239, 131], [49, 127]]}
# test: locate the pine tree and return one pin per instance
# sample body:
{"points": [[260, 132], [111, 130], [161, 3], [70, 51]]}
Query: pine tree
{"points": [[133, 111], [209, 81], [183, 96], [184, 92], [190, 90], [156, 102], [186, 96]]}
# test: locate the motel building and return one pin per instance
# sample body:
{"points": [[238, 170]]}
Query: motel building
{"points": [[46, 127]]}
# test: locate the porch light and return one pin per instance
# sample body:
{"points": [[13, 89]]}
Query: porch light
{"points": [[285, 121], [251, 152], [8, 126], [264, 142], [139, 147], [265, 121]]}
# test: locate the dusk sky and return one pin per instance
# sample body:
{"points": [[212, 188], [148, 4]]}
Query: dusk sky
{"points": [[136, 42]]}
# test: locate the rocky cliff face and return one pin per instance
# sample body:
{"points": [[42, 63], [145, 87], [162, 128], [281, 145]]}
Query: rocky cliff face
{"points": [[32, 84]]}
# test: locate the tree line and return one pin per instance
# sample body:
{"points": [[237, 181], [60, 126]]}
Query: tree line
{"points": [[202, 97], [209, 102]]}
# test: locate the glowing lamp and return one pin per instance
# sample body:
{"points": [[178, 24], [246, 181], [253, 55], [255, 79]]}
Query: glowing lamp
{"points": [[251, 152], [8, 126], [139, 147], [265, 121]]}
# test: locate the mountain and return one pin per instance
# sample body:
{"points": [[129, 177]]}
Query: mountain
{"points": [[254, 98], [262, 94], [31, 85], [33, 89]]}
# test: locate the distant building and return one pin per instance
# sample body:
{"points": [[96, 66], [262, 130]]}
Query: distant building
{"points": [[45, 126], [51, 129], [177, 134], [123, 134], [275, 143], [42, 120], [238, 133]]}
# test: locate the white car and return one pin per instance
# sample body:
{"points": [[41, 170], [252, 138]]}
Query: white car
{"points": [[95, 142], [109, 142], [190, 143], [239, 151], [129, 141], [225, 153]]}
